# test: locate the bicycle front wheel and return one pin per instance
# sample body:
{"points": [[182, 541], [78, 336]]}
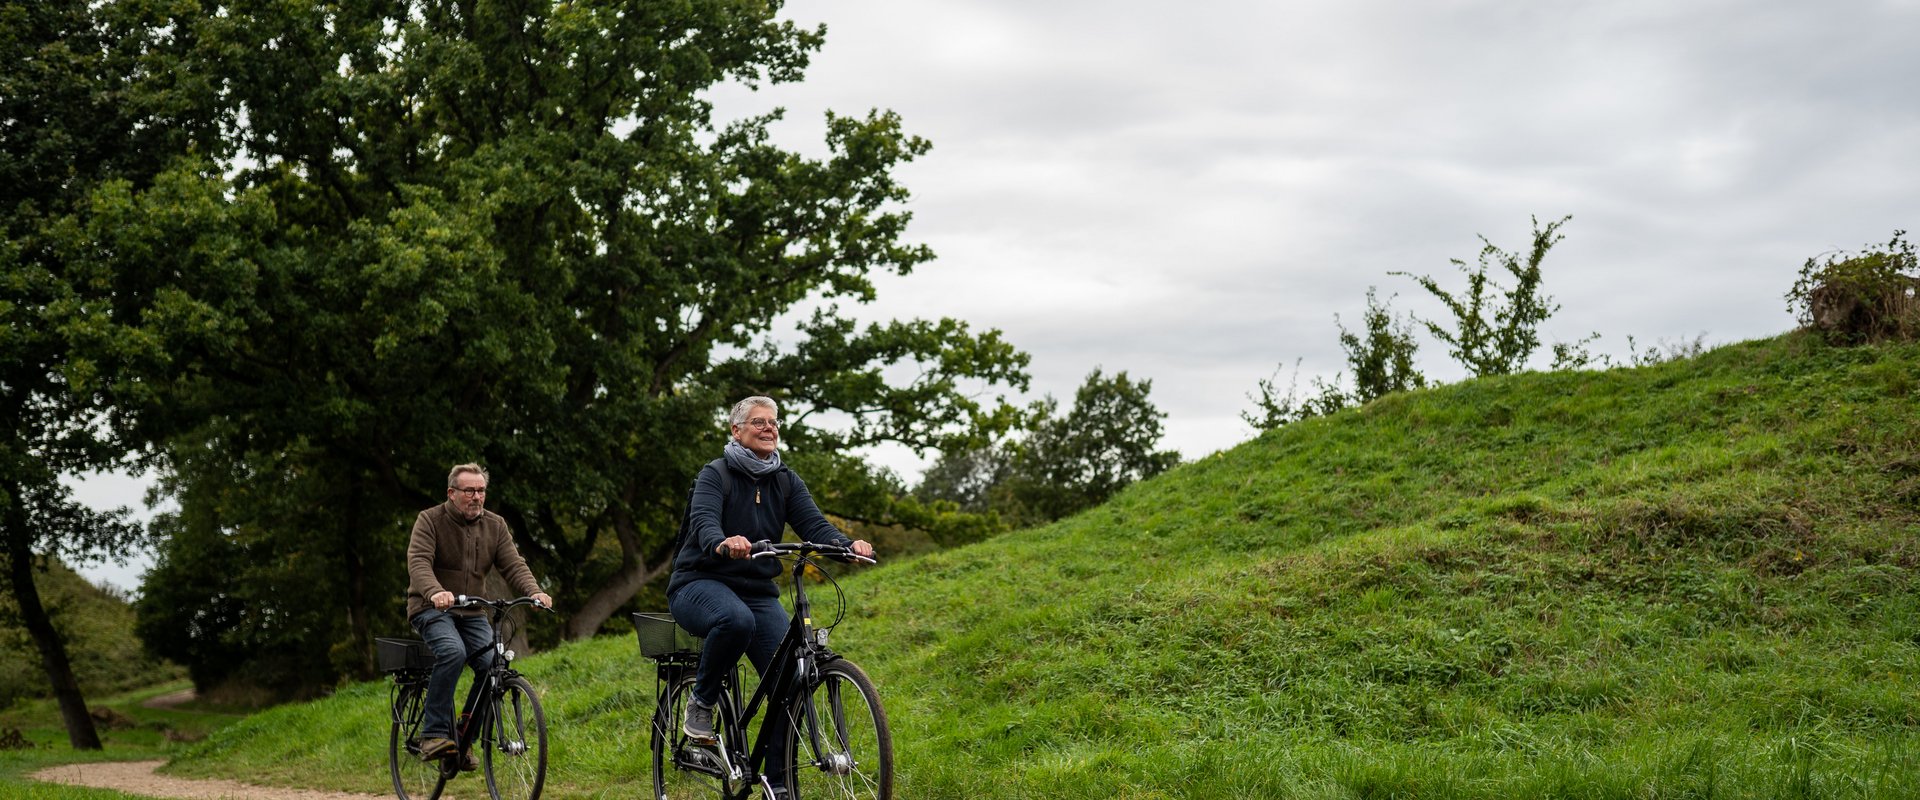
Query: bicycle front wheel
{"points": [[841, 746], [413, 779], [682, 769], [515, 743]]}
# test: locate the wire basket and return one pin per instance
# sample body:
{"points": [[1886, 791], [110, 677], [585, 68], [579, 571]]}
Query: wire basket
{"points": [[402, 655], [661, 637]]}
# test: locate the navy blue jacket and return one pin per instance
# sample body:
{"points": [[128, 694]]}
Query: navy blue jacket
{"points": [[757, 509]]}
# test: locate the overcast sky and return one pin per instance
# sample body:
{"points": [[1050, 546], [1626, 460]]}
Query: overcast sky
{"points": [[1191, 191]]}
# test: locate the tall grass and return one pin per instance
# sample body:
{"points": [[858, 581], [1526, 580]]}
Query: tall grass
{"points": [[1694, 579]]}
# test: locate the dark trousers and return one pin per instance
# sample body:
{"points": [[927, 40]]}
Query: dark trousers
{"points": [[734, 626], [456, 639]]}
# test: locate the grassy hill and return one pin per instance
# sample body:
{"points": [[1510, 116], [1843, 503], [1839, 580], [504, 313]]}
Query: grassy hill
{"points": [[98, 628], [1688, 580]]}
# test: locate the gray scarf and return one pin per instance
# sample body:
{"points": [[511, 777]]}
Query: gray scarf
{"points": [[742, 459]]}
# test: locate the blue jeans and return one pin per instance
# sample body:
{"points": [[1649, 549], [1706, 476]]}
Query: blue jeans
{"points": [[733, 626], [456, 639]]}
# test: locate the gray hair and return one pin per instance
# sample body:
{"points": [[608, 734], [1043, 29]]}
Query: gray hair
{"points": [[453, 478], [746, 407]]}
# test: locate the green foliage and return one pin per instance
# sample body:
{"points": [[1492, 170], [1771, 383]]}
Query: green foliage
{"points": [[1683, 580], [74, 117], [1066, 462], [1861, 297], [503, 232], [1382, 357], [97, 627], [1273, 409], [1495, 329], [1078, 460]]}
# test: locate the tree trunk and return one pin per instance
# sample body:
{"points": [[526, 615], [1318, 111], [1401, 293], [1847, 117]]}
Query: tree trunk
{"points": [[53, 652], [584, 622], [360, 626]]}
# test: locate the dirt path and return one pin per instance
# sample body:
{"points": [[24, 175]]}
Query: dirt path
{"points": [[137, 777], [170, 700]]}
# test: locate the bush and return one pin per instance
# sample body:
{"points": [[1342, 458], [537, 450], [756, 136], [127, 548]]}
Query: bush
{"points": [[1859, 298]]}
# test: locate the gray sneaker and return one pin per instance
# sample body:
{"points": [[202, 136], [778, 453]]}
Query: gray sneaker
{"points": [[699, 723]]}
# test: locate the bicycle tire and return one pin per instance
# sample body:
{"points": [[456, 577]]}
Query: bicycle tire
{"points": [[841, 745], [515, 743], [413, 779], [683, 770]]}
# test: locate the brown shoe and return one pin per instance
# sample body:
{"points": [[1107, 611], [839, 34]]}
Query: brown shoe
{"points": [[468, 762], [435, 747]]}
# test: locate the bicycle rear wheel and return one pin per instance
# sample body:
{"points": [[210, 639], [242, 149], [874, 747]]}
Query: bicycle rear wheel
{"points": [[683, 770], [413, 779], [842, 748], [515, 743]]}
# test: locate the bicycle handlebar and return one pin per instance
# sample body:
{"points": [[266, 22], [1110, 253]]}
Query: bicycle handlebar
{"points": [[465, 601], [764, 548]]}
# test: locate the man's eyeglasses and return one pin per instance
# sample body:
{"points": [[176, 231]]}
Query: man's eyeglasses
{"points": [[471, 491], [758, 424]]}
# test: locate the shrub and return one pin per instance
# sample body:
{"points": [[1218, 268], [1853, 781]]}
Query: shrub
{"points": [[1859, 298]]}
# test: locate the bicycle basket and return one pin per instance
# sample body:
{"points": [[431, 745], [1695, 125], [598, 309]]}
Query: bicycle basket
{"points": [[660, 637], [402, 655]]}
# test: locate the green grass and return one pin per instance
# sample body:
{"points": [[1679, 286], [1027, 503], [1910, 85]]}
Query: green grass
{"points": [[139, 734], [1691, 580]]}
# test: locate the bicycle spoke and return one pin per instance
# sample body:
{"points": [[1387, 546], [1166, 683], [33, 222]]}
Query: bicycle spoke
{"points": [[413, 779], [682, 769], [844, 750], [515, 744]]}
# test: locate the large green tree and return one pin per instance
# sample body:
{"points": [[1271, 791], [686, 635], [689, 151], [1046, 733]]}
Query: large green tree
{"points": [[78, 105], [432, 232]]}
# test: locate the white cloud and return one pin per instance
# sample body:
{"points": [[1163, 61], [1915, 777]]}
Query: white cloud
{"points": [[1192, 192]]}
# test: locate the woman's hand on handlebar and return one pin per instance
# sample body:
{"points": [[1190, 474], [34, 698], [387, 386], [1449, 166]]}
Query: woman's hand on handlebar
{"points": [[859, 550], [734, 547]]}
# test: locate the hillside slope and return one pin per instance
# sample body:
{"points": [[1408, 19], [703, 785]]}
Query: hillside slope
{"points": [[1694, 579], [97, 626]]}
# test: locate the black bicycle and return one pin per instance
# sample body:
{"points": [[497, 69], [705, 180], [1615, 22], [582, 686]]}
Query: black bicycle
{"points": [[835, 733], [501, 719]]}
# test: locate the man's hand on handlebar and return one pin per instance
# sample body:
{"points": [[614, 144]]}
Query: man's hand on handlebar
{"points": [[445, 600], [862, 548]]}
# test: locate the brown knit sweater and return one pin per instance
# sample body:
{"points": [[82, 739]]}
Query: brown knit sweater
{"points": [[449, 553]]}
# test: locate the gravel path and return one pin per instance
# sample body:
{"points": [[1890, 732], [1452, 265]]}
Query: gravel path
{"points": [[137, 777], [170, 700]]}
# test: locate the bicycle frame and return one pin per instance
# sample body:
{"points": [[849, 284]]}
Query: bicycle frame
{"points": [[792, 663], [802, 650], [477, 713]]}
